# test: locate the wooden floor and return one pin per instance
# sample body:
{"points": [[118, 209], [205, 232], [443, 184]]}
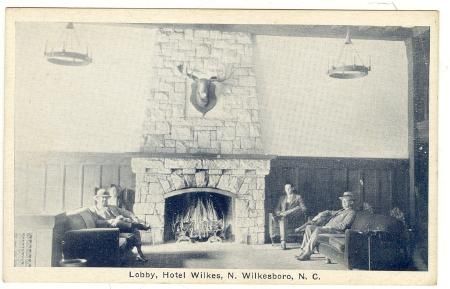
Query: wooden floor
{"points": [[227, 256]]}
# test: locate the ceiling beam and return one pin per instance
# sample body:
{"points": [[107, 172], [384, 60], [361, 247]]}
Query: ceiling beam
{"points": [[392, 33]]}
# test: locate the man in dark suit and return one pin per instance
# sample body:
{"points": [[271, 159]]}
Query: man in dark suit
{"points": [[338, 222], [289, 213], [111, 216]]}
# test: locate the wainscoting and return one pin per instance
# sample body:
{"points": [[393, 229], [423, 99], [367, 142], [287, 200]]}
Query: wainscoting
{"points": [[56, 182], [383, 183]]}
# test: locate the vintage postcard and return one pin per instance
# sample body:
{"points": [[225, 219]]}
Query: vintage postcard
{"points": [[221, 146]]}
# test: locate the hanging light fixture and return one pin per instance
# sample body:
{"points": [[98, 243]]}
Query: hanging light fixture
{"points": [[349, 64], [68, 49]]}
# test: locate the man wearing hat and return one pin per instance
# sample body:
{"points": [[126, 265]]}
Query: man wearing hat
{"points": [[338, 222], [112, 216]]}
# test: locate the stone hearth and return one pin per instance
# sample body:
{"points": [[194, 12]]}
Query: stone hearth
{"points": [[243, 179]]}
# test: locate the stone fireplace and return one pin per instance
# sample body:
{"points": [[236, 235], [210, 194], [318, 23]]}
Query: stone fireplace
{"points": [[219, 153], [240, 179]]}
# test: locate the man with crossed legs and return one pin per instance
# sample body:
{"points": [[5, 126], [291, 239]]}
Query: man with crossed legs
{"points": [[338, 222]]}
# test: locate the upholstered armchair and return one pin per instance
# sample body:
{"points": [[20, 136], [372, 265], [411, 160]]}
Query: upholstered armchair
{"points": [[99, 246], [374, 242]]}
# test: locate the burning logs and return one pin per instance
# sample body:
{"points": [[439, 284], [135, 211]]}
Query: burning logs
{"points": [[199, 221]]}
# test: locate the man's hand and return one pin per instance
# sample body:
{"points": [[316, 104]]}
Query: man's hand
{"points": [[324, 213], [122, 218], [321, 215], [302, 227], [299, 229], [113, 222]]}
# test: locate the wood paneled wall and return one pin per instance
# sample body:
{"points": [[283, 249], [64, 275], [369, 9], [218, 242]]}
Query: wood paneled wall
{"points": [[48, 183], [55, 182], [383, 183]]}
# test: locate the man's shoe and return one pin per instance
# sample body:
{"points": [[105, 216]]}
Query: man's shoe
{"points": [[303, 257], [141, 258], [283, 245], [143, 227], [301, 253]]}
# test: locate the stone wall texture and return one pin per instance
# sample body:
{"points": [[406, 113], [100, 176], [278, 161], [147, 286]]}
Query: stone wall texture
{"points": [[232, 127], [243, 178]]}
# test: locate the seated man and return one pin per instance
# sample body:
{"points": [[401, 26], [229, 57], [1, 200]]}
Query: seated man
{"points": [[289, 213], [121, 197], [338, 222], [112, 216]]}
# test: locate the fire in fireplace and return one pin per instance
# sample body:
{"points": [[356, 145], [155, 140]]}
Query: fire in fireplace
{"points": [[198, 217]]}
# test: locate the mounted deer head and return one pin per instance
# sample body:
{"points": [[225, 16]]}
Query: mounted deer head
{"points": [[203, 96]]}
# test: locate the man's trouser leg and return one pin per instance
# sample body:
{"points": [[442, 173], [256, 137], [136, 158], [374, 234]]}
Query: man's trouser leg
{"points": [[274, 228], [133, 238], [314, 238], [307, 236], [283, 226]]}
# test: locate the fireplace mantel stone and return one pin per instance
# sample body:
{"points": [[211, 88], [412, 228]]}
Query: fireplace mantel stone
{"points": [[158, 177]]}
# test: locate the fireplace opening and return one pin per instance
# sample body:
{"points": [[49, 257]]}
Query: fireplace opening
{"points": [[198, 217]]}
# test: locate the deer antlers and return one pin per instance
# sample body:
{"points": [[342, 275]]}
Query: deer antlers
{"points": [[227, 73], [185, 69]]}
